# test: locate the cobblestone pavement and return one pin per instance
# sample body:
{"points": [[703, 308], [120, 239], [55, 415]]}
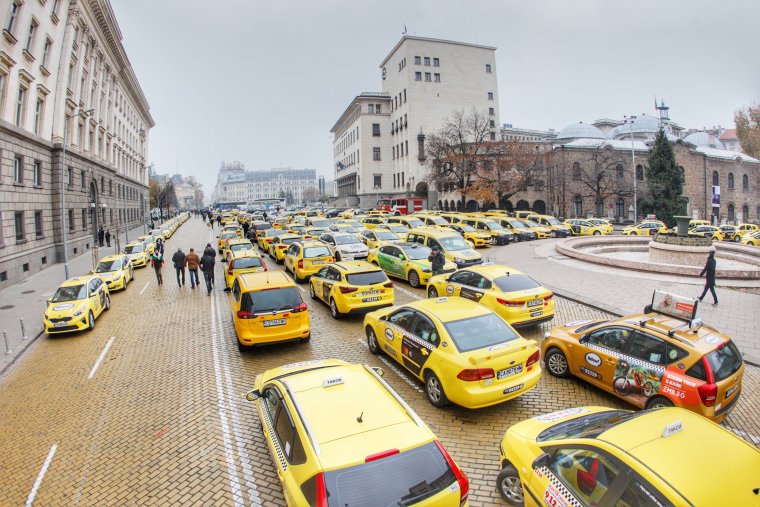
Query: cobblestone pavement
{"points": [[161, 419]]}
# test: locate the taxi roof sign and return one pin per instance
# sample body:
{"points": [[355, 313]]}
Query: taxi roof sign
{"points": [[673, 305], [332, 381], [672, 428], [441, 300]]}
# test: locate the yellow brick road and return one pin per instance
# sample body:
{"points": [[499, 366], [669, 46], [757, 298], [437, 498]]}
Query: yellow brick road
{"points": [[163, 421]]}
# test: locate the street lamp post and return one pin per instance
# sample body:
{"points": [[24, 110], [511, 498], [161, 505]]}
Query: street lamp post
{"points": [[635, 175], [63, 190]]}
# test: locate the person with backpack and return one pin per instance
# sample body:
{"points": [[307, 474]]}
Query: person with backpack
{"points": [[157, 261]]}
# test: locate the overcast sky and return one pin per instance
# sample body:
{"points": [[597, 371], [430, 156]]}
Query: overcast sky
{"points": [[263, 82]]}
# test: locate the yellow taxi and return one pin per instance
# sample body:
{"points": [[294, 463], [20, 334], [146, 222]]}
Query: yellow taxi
{"points": [[148, 242], [603, 224], [371, 222], [541, 231], [233, 227], [463, 352], [227, 217], [519, 230], [399, 229], [235, 246], [115, 270], [314, 232], [304, 258], [223, 237], [375, 238], [346, 229], [645, 228], [264, 238], [497, 233], [696, 223], [556, 228], [479, 239], [76, 304], [267, 308], [432, 220], [454, 247], [515, 296], [408, 261], [297, 229], [453, 218], [372, 449], [137, 254], [279, 246], [587, 456], [166, 231], [730, 233], [409, 221], [662, 358], [747, 228], [243, 261], [521, 214], [751, 238], [281, 223], [707, 231], [583, 227], [351, 287]]}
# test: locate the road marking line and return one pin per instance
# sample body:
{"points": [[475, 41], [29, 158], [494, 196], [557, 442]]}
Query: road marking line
{"points": [[143, 289], [395, 370], [102, 356], [747, 436], [404, 291], [38, 482]]}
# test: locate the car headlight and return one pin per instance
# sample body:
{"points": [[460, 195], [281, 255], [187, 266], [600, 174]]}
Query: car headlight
{"points": [[79, 312], [427, 270], [459, 261]]}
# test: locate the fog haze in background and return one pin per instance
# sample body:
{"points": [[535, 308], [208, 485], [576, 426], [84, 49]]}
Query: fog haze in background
{"points": [[263, 82]]}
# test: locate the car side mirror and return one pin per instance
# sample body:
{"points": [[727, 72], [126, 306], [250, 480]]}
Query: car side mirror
{"points": [[253, 395], [49, 300], [401, 257], [541, 461], [378, 370]]}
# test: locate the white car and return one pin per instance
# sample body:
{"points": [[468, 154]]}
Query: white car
{"points": [[345, 246]]}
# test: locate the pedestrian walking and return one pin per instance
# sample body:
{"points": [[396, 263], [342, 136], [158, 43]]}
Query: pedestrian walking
{"points": [[251, 235], [207, 266], [179, 265], [160, 246], [157, 260], [210, 251], [192, 261], [219, 220], [108, 237], [709, 272], [437, 260], [245, 229], [101, 235]]}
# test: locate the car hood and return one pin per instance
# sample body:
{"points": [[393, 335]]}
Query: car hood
{"points": [[64, 309], [467, 254]]}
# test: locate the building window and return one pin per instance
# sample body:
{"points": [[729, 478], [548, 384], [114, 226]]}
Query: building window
{"points": [[18, 170], [745, 213], [578, 206], [20, 106], [682, 174], [70, 176], [731, 213], [18, 223], [375, 129], [716, 179], [404, 95], [371, 108], [46, 51], [491, 111], [378, 181], [38, 224], [37, 173], [639, 173], [745, 182], [620, 172], [492, 123], [110, 187], [731, 180], [417, 60], [2, 91], [490, 95], [427, 61], [576, 171], [493, 135], [375, 153], [436, 62], [437, 78], [488, 68], [15, 10], [38, 111], [619, 207], [428, 77], [30, 38], [84, 180], [378, 109], [418, 76]]}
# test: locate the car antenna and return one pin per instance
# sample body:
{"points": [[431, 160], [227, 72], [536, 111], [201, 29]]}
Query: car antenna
{"points": [[359, 419]]}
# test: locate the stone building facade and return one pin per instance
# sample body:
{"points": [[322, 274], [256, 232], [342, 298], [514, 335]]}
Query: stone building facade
{"points": [[65, 78], [235, 186]]}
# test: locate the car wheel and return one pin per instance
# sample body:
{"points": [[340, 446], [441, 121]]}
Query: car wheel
{"points": [[311, 292], [509, 486], [90, 321], [334, 310], [241, 347], [556, 363], [432, 293], [372, 343], [434, 390], [553, 234], [108, 302], [414, 279], [737, 239], [597, 233], [517, 238], [297, 278], [634, 233], [659, 402], [277, 261], [306, 338]]}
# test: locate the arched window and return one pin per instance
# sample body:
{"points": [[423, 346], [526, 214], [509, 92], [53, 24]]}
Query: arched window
{"points": [[682, 174], [523, 205], [745, 213], [578, 206], [576, 171], [599, 208], [716, 179], [619, 171], [731, 213], [619, 207], [745, 182], [639, 173], [730, 180]]}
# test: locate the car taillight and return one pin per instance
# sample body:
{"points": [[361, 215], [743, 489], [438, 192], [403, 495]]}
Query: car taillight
{"points": [[464, 484], [264, 264], [300, 263], [348, 290], [533, 359], [388, 285], [229, 271], [330, 259], [282, 247], [547, 299], [708, 393], [475, 374], [300, 308], [244, 315], [321, 491], [509, 303], [380, 455]]}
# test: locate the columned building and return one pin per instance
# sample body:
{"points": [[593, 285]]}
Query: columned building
{"points": [[74, 126], [237, 187]]}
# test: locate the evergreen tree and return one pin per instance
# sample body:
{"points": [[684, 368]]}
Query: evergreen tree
{"points": [[665, 188]]}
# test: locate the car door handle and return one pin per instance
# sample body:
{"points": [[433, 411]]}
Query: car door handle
{"points": [[424, 352]]}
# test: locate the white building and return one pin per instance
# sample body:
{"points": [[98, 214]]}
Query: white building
{"points": [[65, 73], [424, 81], [236, 186]]}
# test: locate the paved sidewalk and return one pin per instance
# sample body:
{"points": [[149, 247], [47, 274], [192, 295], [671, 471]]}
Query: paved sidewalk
{"points": [[27, 299], [624, 292]]}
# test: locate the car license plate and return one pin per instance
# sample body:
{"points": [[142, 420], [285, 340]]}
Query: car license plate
{"points": [[276, 322], [63, 324], [370, 292], [536, 313], [731, 391], [535, 302], [508, 372], [369, 300], [314, 263]]}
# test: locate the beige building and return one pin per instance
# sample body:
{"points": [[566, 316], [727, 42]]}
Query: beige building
{"points": [[64, 73], [235, 186]]}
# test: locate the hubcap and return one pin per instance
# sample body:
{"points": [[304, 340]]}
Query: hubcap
{"points": [[512, 489], [414, 280], [372, 340], [558, 364], [433, 293], [333, 308], [434, 389]]}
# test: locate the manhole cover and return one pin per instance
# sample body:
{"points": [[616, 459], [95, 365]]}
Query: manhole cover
{"points": [[28, 291], [6, 307]]}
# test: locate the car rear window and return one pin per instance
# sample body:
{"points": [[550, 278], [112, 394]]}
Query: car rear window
{"points": [[724, 361], [368, 278], [133, 249], [514, 283], [400, 479], [262, 227], [414, 222], [246, 262], [316, 251], [479, 332], [241, 246], [107, 266], [346, 239], [283, 298]]}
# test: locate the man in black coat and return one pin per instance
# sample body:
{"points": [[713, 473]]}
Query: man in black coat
{"points": [[437, 260], [709, 272], [207, 266], [179, 265]]}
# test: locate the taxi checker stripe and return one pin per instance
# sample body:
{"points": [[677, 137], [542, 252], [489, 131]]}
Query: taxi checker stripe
{"points": [[627, 358], [561, 487], [272, 436], [414, 338]]}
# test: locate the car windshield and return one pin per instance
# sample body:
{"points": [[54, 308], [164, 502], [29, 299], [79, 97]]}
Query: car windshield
{"points": [[106, 266], [350, 229], [414, 222], [514, 223], [130, 249], [408, 478], [416, 253], [493, 225], [724, 361], [320, 223], [438, 220], [316, 251], [270, 300], [241, 246], [69, 293], [589, 426], [398, 228], [228, 235], [553, 221], [454, 243], [386, 235], [246, 262], [479, 332], [514, 283], [346, 239], [467, 228], [368, 278], [530, 223]]}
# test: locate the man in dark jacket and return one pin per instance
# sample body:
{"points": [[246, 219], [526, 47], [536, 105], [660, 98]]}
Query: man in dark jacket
{"points": [[179, 265], [709, 272], [245, 229], [437, 260], [101, 236], [207, 266]]}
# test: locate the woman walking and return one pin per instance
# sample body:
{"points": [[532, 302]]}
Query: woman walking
{"points": [[157, 260], [709, 272]]}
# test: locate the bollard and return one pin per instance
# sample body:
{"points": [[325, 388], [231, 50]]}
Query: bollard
{"points": [[8, 350], [23, 331]]}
